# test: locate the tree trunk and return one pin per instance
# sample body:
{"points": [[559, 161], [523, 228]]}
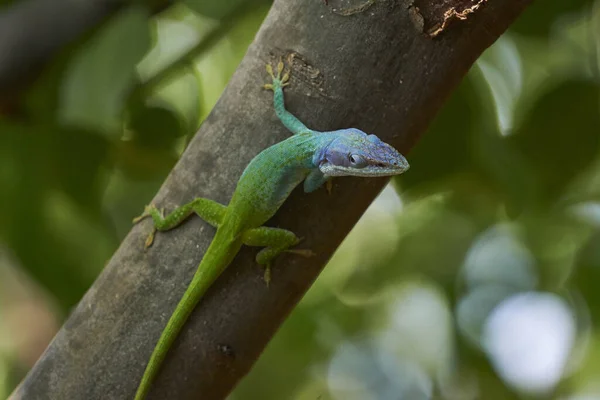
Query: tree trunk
{"points": [[369, 67]]}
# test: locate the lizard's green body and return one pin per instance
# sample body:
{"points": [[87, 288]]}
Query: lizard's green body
{"points": [[309, 156]]}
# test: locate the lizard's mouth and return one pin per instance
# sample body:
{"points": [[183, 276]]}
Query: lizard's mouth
{"points": [[373, 169]]}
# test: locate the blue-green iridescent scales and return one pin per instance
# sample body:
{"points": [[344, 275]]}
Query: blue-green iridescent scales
{"points": [[310, 156]]}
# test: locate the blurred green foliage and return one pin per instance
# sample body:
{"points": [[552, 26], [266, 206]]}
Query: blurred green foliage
{"points": [[475, 279]]}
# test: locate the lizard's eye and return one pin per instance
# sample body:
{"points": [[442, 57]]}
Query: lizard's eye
{"points": [[357, 161]]}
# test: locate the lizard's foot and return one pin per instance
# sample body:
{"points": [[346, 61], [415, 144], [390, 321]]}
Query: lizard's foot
{"points": [[147, 213], [149, 210], [267, 266], [278, 80], [301, 252], [275, 242]]}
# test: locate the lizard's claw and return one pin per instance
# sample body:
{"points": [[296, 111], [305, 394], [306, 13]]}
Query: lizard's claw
{"points": [[267, 274], [329, 186], [302, 252]]}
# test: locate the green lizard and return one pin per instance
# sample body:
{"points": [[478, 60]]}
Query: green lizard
{"points": [[309, 156]]}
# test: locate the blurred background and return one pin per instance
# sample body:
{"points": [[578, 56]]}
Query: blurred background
{"points": [[474, 276]]}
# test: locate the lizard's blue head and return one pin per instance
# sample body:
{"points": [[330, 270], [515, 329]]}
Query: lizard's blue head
{"points": [[354, 153]]}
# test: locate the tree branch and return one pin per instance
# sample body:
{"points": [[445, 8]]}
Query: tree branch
{"points": [[371, 70]]}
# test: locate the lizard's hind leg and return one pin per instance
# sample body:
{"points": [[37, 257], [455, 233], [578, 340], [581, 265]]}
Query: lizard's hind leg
{"points": [[275, 241], [209, 210]]}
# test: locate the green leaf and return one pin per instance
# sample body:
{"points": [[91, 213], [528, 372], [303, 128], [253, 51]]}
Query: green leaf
{"points": [[540, 17], [4, 4], [444, 149], [559, 136], [34, 208], [99, 77], [182, 98], [155, 126], [154, 141], [214, 9], [78, 157], [498, 161], [142, 162]]}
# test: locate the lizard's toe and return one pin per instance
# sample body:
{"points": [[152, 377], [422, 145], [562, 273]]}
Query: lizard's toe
{"points": [[269, 68], [267, 274], [280, 66], [147, 212]]}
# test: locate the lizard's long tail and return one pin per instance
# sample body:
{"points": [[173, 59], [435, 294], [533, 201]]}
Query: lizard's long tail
{"points": [[219, 255]]}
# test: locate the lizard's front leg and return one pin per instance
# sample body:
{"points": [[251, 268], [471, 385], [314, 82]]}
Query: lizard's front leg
{"points": [[315, 180], [275, 241], [278, 82], [209, 210]]}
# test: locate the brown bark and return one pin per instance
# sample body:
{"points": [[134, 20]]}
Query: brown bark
{"points": [[372, 70]]}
